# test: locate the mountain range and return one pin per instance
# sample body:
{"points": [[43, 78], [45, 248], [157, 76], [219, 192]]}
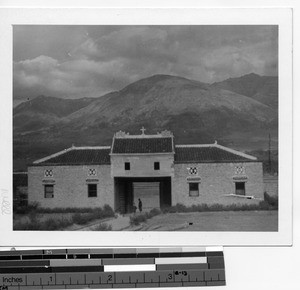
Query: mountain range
{"points": [[238, 112]]}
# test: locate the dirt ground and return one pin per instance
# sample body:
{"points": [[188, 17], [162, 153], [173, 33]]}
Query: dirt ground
{"points": [[196, 221], [214, 221]]}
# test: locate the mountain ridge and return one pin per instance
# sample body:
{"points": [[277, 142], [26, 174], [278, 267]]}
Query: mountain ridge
{"points": [[196, 112], [260, 88]]}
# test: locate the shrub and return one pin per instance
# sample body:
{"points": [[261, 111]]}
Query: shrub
{"points": [[137, 219], [65, 210], [103, 227], [263, 205], [177, 208], [153, 212], [50, 224], [27, 226], [108, 211], [271, 200], [142, 217], [82, 219], [25, 209]]}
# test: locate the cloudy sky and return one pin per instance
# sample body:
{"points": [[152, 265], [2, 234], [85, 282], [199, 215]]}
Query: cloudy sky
{"points": [[89, 61]]}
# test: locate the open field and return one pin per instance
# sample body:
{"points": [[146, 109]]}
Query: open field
{"points": [[215, 217], [242, 221]]}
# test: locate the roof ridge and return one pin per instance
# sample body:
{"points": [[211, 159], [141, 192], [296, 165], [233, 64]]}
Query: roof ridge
{"points": [[52, 155], [73, 148], [90, 147], [235, 152]]}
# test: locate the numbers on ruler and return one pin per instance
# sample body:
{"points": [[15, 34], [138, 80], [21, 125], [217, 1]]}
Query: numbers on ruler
{"points": [[183, 273], [170, 276], [109, 278]]}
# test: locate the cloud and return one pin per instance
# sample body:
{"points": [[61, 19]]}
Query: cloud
{"points": [[73, 79], [88, 61]]}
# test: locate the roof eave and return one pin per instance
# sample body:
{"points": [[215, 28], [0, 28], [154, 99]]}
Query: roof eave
{"points": [[218, 161], [68, 164]]}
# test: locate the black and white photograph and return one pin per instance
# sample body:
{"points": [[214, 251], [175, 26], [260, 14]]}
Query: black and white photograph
{"points": [[145, 128]]}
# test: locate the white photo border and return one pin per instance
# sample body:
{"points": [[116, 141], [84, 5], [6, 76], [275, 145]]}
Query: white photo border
{"points": [[85, 16]]}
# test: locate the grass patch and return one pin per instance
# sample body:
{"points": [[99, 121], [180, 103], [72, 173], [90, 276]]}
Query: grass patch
{"points": [[26, 209], [49, 225], [52, 224], [142, 217], [103, 227], [36, 207], [137, 219], [94, 214], [263, 205]]}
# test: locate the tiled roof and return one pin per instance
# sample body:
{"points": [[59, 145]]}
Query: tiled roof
{"points": [[213, 153], [79, 156], [142, 145], [193, 154]]}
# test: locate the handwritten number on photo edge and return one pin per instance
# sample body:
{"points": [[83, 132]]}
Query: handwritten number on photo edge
{"points": [[5, 206]]}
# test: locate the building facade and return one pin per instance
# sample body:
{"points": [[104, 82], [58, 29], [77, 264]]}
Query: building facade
{"points": [[150, 168]]}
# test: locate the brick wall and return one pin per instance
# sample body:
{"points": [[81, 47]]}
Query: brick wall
{"points": [[217, 182], [70, 186]]}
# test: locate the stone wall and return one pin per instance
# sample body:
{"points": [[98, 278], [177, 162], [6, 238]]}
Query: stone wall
{"points": [[217, 182], [70, 186]]}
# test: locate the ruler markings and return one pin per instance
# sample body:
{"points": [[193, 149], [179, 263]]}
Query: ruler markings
{"points": [[169, 268], [110, 256]]}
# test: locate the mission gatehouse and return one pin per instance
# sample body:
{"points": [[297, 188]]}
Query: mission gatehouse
{"points": [[151, 168]]}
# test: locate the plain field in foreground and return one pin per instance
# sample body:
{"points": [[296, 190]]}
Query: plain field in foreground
{"points": [[241, 221]]}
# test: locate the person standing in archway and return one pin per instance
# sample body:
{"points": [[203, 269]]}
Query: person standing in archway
{"points": [[140, 205]]}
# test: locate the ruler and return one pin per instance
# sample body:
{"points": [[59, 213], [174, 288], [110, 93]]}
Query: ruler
{"points": [[96, 268]]}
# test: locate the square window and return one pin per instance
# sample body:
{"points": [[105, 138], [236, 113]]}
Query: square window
{"points": [[127, 165], [49, 191], [156, 166], [92, 190], [194, 189], [240, 188]]}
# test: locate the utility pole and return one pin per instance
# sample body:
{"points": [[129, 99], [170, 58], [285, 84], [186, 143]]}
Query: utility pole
{"points": [[270, 163]]}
